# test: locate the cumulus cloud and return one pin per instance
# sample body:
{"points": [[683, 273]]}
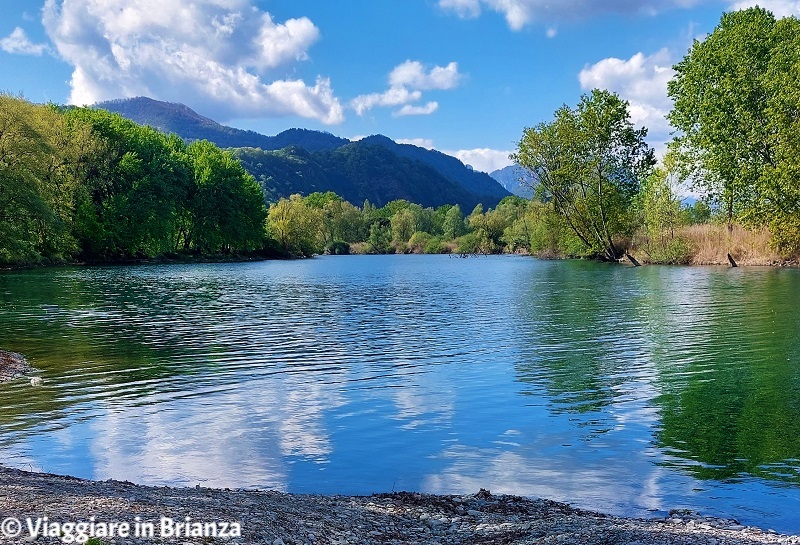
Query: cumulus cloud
{"points": [[483, 159], [407, 81], [18, 42], [642, 81], [519, 13], [412, 74], [225, 53], [395, 96]]}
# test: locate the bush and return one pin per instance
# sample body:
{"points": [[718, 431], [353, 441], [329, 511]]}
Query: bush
{"points": [[436, 246], [338, 247], [418, 241], [676, 251], [468, 244]]}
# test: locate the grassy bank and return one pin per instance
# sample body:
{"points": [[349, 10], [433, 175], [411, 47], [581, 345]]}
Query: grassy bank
{"points": [[710, 244]]}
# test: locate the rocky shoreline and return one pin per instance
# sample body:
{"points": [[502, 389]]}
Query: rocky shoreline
{"points": [[13, 365], [286, 519]]}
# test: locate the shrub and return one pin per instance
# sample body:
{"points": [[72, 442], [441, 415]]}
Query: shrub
{"points": [[338, 247]]}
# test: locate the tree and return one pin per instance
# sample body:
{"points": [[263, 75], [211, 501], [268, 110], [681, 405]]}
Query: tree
{"points": [[227, 204], [296, 226], [736, 95], [43, 158], [721, 95], [454, 225], [136, 188], [23, 159], [403, 225], [380, 236], [589, 161], [660, 215], [778, 185]]}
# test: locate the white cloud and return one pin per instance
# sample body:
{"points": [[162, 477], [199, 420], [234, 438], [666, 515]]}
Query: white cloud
{"points": [[406, 83], [552, 32], [410, 109], [395, 96], [483, 159], [224, 53], [19, 43], [519, 13], [781, 8], [412, 74], [642, 81]]}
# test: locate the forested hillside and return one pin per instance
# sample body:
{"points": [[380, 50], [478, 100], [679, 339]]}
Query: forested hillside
{"points": [[357, 172], [320, 161]]}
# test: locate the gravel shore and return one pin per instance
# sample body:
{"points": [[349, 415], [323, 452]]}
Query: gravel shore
{"points": [[399, 518], [13, 365]]}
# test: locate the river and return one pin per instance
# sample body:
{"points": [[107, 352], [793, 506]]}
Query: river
{"points": [[626, 390]]}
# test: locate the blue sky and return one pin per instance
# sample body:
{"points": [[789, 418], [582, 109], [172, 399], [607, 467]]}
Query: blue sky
{"points": [[462, 76]]}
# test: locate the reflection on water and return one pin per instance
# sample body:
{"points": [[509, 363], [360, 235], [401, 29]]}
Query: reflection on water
{"points": [[627, 390]]}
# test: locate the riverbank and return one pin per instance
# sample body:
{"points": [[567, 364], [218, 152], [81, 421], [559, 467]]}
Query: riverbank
{"points": [[13, 365], [398, 518]]}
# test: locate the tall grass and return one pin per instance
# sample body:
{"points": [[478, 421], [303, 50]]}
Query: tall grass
{"points": [[710, 244]]}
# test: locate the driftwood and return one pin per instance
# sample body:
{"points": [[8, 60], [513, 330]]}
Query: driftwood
{"points": [[632, 260], [731, 261]]}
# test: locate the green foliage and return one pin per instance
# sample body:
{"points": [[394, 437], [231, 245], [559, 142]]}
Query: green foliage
{"points": [[340, 220], [296, 227], [40, 166], [468, 244], [86, 183], [337, 247], [590, 161], [356, 172], [699, 212], [720, 98], [453, 225], [403, 225], [661, 215], [380, 237], [226, 203], [671, 251], [419, 241], [736, 96]]}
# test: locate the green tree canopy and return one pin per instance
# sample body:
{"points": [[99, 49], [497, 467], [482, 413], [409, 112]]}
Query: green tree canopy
{"points": [[721, 95], [589, 161]]}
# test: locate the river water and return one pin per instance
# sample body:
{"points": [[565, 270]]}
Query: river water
{"points": [[627, 390]]}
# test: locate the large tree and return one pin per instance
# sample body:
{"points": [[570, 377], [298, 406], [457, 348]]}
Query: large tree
{"points": [[721, 95], [736, 97], [589, 161]]}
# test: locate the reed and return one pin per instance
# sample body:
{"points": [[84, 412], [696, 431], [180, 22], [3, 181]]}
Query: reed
{"points": [[711, 243]]}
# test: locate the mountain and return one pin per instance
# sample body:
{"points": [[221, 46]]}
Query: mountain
{"points": [[303, 161], [357, 172], [516, 179], [477, 183], [170, 117]]}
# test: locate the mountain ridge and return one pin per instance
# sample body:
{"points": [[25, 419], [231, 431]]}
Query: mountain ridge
{"points": [[431, 177], [516, 179]]}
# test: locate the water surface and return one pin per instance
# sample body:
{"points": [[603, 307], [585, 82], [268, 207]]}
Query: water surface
{"points": [[632, 391]]}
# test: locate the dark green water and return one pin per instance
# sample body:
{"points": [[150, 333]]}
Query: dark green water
{"points": [[626, 390]]}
